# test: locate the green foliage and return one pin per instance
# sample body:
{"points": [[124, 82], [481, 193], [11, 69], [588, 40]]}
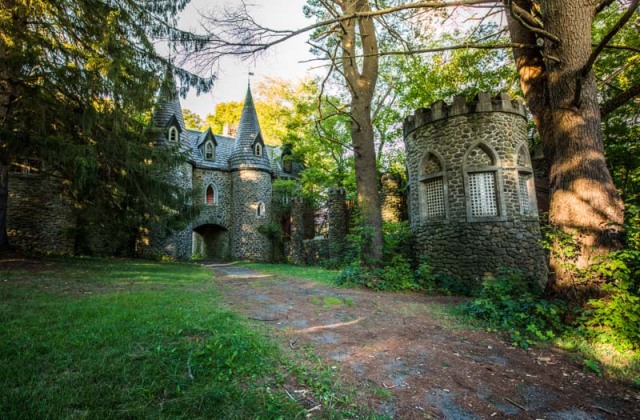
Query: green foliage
{"points": [[508, 303]]}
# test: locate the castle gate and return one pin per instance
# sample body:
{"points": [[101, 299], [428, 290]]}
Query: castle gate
{"points": [[211, 241]]}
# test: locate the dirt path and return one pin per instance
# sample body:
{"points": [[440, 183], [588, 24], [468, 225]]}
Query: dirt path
{"points": [[407, 359]]}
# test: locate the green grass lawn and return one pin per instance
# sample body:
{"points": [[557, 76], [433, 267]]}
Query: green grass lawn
{"points": [[113, 338], [317, 274]]}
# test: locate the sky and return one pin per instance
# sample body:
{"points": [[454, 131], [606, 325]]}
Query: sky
{"points": [[284, 61]]}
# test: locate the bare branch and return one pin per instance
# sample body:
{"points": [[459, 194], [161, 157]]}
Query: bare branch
{"points": [[529, 22], [621, 47], [241, 35], [615, 103], [510, 45], [603, 5]]}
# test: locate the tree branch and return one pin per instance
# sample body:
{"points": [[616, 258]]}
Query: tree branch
{"points": [[603, 5], [247, 38], [603, 43], [510, 45], [616, 102], [529, 22]]}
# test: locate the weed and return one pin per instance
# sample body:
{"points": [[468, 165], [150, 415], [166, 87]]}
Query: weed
{"points": [[508, 303]]}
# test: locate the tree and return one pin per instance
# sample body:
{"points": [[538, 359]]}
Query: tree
{"points": [[561, 91], [192, 120], [75, 76]]}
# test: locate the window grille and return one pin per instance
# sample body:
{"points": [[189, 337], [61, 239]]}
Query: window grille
{"points": [[523, 192], [258, 149], [434, 198], [482, 186]]}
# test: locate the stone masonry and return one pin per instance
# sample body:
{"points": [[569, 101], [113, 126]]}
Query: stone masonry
{"points": [[472, 205]]}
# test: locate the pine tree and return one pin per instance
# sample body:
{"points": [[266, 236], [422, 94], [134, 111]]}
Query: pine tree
{"points": [[76, 77]]}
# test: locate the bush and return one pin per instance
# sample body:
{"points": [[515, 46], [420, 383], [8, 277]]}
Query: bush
{"points": [[394, 276], [508, 303]]}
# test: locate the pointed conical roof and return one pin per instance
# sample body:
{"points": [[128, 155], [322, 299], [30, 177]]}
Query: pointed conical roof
{"points": [[168, 108], [243, 155]]}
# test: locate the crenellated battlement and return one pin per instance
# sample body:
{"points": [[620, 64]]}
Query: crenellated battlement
{"points": [[482, 102]]}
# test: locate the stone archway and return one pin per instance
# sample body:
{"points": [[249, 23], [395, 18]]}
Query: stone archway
{"points": [[211, 241]]}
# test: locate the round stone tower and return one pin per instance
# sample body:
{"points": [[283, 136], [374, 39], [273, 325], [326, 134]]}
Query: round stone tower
{"points": [[472, 203], [169, 120], [251, 180]]}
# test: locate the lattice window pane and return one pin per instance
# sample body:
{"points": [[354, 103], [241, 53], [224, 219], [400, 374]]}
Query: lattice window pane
{"points": [[434, 198], [482, 186], [523, 192]]}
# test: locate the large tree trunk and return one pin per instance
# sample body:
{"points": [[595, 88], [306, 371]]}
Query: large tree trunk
{"points": [[361, 80], [585, 205]]}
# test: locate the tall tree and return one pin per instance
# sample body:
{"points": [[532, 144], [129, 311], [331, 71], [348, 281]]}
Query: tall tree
{"points": [[74, 74], [561, 91]]}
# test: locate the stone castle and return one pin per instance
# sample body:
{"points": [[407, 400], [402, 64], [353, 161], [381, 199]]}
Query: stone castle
{"points": [[235, 176], [470, 196]]}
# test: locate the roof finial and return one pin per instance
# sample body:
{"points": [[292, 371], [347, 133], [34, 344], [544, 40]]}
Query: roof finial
{"points": [[249, 78]]}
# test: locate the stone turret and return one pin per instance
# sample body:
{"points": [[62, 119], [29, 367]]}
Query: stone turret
{"points": [[169, 120], [472, 202], [167, 112], [251, 180]]}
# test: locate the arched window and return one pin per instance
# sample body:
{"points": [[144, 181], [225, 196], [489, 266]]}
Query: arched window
{"points": [[525, 181], [173, 134], [432, 188], [211, 196], [209, 151], [482, 183], [258, 149], [260, 211]]}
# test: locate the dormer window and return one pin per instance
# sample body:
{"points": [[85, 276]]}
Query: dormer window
{"points": [[173, 134], [258, 149], [209, 151]]}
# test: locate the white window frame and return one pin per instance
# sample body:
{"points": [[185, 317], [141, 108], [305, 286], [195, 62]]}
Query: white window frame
{"points": [[174, 134], [425, 198], [498, 184], [209, 145]]}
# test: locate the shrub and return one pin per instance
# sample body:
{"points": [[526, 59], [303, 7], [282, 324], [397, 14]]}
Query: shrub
{"points": [[508, 303], [393, 276]]}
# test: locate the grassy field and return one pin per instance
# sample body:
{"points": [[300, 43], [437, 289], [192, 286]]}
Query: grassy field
{"points": [[110, 338]]}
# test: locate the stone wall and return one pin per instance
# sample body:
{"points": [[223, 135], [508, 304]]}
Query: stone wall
{"points": [[177, 243], [472, 205], [39, 216], [316, 251], [296, 245], [220, 212], [337, 222], [250, 187], [391, 198]]}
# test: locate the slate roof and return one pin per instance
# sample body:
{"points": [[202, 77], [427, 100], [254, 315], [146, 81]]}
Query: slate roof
{"points": [[223, 150], [167, 107], [243, 156]]}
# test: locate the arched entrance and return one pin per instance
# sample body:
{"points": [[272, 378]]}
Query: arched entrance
{"points": [[212, 242]]}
